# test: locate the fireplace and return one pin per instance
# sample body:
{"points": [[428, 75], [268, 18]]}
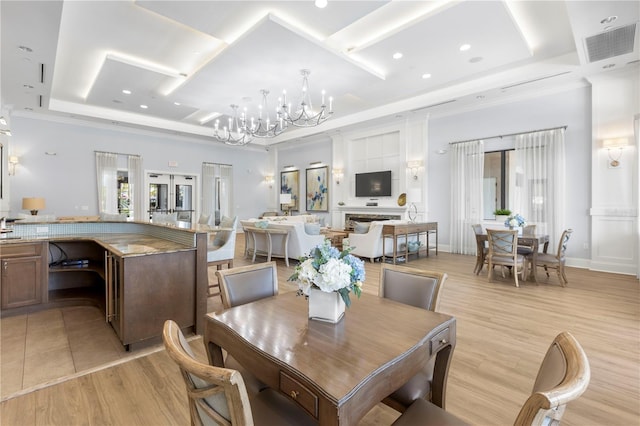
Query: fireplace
{"points": [[351, 218]]}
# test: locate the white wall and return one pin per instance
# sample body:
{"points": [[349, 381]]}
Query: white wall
{"points": [[67, 180]]}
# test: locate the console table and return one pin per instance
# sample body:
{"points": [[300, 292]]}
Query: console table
{"points": [[394, 230]]}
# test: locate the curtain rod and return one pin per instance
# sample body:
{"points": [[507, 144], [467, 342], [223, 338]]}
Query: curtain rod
{"points": [[510, 134], [119, 153]]}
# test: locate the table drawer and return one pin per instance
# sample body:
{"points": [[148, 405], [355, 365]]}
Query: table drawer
{"points": [[439, 340], [299, 393]]}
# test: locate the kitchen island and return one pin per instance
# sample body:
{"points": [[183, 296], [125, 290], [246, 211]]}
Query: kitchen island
{"points": [[140, 274]]}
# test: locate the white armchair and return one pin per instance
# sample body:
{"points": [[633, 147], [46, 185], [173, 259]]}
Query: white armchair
{"points": [[221, 250], [369, 244]]}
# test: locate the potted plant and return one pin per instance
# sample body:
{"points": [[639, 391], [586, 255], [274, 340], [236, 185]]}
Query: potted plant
{"points": [[502, 214]]}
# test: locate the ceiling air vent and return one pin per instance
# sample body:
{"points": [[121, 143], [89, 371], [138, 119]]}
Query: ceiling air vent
{"points": [[611, 43]]}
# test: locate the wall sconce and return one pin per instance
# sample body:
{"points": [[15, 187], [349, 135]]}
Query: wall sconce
{"points": [[269, 180], [33, 204], [414, 167], [13, 160], [337, 175], [614, 150]]}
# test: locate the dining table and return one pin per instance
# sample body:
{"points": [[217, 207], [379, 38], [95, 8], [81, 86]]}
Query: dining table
{"points": [[535, 241], [336, 372]]}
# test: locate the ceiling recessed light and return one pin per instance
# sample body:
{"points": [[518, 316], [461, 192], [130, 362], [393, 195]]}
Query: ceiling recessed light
{"points": [[177, 103], [143, 106], [476, 59], [321, 4], [465, 47], [397, 55], [25, 49], [609, 19], [426, 75], [126, 91]]}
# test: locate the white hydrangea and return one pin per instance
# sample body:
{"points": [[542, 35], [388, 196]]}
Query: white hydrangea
{"points": [[333, 275], [306, 276]]}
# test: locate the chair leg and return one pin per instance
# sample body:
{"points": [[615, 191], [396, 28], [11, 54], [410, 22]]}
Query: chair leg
{"points": [[566, 281], [490, 272]]}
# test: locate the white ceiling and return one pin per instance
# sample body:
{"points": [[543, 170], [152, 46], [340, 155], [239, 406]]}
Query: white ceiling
{"points": [[206, 55]]}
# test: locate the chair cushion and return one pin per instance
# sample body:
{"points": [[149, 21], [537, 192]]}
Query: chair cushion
{"points": [[361, 228], [204, 219], [422, 412], [312, 228], [222, 236]]}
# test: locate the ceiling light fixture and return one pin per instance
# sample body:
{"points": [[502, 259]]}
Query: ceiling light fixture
{"points": [[321, 4], [126, 91], [265, 128], [609, 19], [3, 121], [425, 76], [397, 55], [465, 47], [144, 106], [236, 133], [303, 115], [5, 132]]}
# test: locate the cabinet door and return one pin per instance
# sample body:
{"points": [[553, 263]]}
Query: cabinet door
{"points": [[21, 281]]}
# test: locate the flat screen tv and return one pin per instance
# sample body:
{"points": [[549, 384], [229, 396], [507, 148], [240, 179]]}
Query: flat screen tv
{"points": [[373, 184]]}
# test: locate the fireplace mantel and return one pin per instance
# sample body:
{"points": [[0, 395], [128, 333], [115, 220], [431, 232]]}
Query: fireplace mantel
{"points": [[372, 209], [368, 213]]}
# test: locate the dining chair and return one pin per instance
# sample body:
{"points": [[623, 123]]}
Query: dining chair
{"points": [[563, 376], [248, 283], [527, 249], [219, 396], [419, 288], [481, 249], [555, 261], [503, 250], [221, 250]]}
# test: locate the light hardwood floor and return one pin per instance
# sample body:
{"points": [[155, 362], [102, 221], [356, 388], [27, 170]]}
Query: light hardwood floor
{"points": [[503, 333]]}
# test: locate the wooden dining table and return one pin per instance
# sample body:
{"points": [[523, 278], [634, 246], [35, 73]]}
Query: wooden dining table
{"points": [[534, 241], [336, 372]]}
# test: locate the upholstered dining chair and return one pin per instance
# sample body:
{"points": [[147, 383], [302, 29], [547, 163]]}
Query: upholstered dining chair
{"points": [[219, 396], [526, 249], [556, 261], [221, 250], [563, 376], [503, 250], [481, 249], [249, 283], [419, 288]]}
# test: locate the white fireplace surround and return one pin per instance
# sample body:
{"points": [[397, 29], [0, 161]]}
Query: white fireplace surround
{"points": [[395, 212]]}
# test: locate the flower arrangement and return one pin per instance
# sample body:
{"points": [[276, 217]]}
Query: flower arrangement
{"points": [[329, 270], [515, 221]]}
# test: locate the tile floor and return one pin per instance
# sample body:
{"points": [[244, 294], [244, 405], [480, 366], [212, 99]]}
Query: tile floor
{"points": [[44, 347]]}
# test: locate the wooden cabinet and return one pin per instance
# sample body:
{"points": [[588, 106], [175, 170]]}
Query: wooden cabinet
{"points": [[23, 274]]}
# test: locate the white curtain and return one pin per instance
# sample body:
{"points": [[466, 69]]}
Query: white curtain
{"points": [[107, 178], [136, 190], [540, 191], [208, 188], [217, 196], [636, 131], [467, 171]]}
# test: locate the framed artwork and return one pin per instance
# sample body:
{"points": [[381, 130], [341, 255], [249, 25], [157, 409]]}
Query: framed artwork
{"points": [[290, 184], [318, 189]]}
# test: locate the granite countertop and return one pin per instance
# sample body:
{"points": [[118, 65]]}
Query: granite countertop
{"points": [[119, 244]]}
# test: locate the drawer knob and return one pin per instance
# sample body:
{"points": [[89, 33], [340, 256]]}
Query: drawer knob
{"points": [[294, 394]]}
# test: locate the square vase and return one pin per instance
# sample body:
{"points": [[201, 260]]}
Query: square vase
{"points": [[323, 306]]}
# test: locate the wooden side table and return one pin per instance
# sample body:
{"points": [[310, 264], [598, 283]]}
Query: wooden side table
{"points": [[335, 236]]}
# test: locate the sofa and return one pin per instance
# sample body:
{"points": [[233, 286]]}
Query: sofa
{"points": [[300, 241]]}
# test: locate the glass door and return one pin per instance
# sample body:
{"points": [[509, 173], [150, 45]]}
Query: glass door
{"points": [[170, 194]]}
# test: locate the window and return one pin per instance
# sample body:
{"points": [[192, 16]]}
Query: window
{"points": [[498, 178]]}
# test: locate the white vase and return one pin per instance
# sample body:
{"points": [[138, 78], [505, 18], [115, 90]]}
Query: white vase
{"points": [[325, 306]]}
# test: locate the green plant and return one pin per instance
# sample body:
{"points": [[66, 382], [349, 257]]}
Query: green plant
{"points": [[502, 212]]}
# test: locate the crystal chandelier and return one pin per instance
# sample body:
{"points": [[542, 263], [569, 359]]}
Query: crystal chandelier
{"points": [[265, 128], [303, 115], [236, 133]]}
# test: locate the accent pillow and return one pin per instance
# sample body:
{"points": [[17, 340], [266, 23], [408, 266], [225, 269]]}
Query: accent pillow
{"points": [[312, 228], [361, 228], [226, 222]]}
